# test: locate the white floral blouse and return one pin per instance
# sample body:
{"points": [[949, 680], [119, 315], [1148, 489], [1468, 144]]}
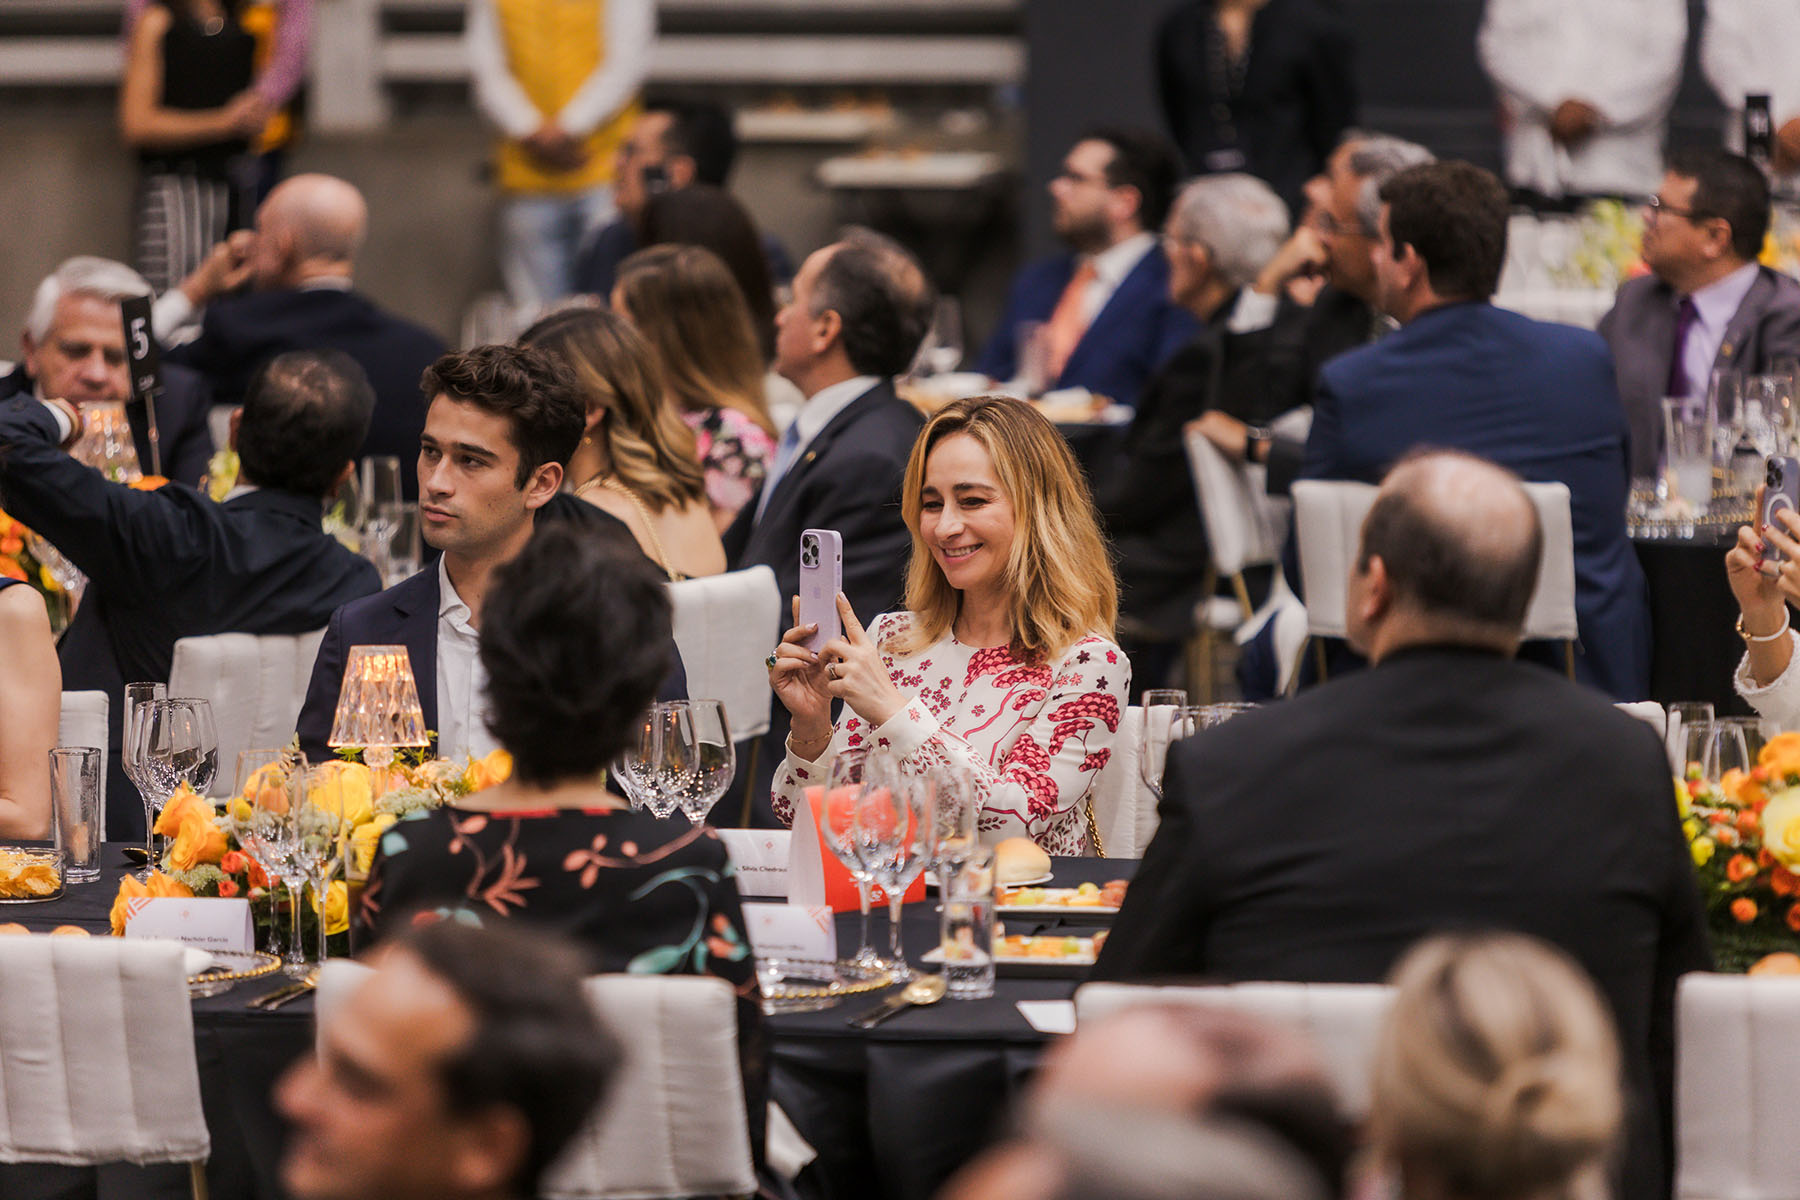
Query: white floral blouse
{"points": [[1033, 736]]}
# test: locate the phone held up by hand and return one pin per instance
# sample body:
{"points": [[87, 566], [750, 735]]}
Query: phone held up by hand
{"points": [[1782, 491], [821, 579]]}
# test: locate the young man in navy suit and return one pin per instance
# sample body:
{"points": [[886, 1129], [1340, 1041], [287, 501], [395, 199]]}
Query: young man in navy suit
{"points": [[502, 423], [1108, 322]]}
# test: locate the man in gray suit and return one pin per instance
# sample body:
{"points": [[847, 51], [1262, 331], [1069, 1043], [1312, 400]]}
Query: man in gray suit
{"points": [[1707, 304]]}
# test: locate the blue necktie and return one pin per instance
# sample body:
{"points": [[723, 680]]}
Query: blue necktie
{"points": [[1685, 316], [784, 458]]}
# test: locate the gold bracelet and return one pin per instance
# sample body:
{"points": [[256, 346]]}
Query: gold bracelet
{"points": [[1762, 637]]}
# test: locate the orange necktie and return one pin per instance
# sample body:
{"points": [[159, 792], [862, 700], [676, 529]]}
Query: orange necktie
{"points": [[1068, 322]]}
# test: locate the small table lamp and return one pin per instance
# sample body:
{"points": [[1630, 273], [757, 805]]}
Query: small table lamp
{"points": [[378, 705]]}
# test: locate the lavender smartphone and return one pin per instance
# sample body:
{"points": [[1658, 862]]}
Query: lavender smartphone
{"points": [[1782, 491], [821, 579]]}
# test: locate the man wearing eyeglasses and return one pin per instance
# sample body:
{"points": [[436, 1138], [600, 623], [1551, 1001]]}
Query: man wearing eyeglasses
{"points": [[1707, 304]]}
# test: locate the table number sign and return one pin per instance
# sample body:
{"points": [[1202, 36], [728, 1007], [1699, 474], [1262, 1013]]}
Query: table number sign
{"points": [[202, 922]]}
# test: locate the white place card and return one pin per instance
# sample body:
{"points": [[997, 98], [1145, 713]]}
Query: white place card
{"points": [[792, 931], [1049, 1016], [205, 922], [760, 859]]}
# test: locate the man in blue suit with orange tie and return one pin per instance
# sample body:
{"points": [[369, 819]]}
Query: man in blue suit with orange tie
{"points": [[1107, 323]]}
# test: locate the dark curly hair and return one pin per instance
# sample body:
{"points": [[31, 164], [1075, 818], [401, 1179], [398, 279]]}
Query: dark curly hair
{"points": [[575, 637], [536, 394]]}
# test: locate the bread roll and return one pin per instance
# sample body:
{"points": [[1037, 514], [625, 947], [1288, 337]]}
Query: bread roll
{"points": [[1019, 858]]}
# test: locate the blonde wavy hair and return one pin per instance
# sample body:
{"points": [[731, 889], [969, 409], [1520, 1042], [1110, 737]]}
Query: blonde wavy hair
{"points": [[1058, 574], [689, 308], [1497, 1071], [653, 451]]}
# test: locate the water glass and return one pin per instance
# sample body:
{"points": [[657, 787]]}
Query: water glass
{"points": [[1690, 736], [1688, 429], [1159, 704], [1755, 732], [75, 807], [1728, 751], [966, 928], [1218, 714]]}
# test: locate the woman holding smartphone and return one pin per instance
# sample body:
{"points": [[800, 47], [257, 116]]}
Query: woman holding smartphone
{"points": [[1764, 572], [1003, 661]]}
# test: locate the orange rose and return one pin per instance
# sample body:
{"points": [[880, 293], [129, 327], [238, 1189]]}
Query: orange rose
{"points": [[495, 767], [1793, 917], [1781, 754], [1743, 787], [129, 889], [228, 888], [199, 840], [182, 806], [167, 887], [1739, 868], [148, 483], [235, 862], [1743, 910], [1784, 882]]}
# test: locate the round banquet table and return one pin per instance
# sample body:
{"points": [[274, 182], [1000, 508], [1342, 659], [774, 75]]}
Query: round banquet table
{"points": [[893, 1110], [1694, 646]]}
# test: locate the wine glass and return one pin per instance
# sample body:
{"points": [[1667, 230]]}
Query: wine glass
{"points": [[703, 760], [320, 833], [1755, 732], [1218, 714], [1161, 707], [646, 764], [1690, 736], [956, 815], [1728, 751], [894, 830], [179, 746], [131, 755], [255, 816], [844, 786], [943, 349]]}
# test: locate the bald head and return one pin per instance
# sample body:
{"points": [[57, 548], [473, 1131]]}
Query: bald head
{"points": [[1457, 541], [310, 226]]}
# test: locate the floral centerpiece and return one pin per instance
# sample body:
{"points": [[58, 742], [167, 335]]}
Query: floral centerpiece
{"points": [[1744, 834], [202, 858]]}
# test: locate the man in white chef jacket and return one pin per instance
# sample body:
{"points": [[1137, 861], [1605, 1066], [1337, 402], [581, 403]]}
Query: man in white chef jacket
{"points": [[1752, 47], [1584, 90]]}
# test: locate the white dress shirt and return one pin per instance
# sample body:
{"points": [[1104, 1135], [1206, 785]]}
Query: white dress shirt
{"points": [[1111, 266], [814, 415], [461, 679], [1752, 47], [1621, 56], [1714, 306], [627, 30]]}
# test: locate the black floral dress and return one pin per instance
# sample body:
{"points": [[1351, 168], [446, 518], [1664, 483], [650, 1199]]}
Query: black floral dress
{"points": [[646, 897]]}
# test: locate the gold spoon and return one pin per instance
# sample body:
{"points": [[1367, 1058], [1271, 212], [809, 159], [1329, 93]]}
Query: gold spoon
{"points": [[924, 989]]}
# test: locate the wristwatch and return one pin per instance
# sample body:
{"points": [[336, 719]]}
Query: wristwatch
{"points": [[1254, 436]]}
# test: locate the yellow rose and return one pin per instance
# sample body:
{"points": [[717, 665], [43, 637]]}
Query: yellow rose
{"points": [[350, 791], [365, 838], [1781, 754], [1781, 827], [495, 767], [267, 789], [1683, 802], [181, 806], [129, 889], [337, 906], [1702, 850], [198, 840]]}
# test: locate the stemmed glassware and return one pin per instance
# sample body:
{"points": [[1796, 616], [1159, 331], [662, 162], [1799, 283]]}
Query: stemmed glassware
{"points": [[257, 816], [1729, 751], [844, 787], [320, 834], [131, 758], [645, 770], [956, 815], [701, 758], [175, 743], [894, 828], [1153, 746]]}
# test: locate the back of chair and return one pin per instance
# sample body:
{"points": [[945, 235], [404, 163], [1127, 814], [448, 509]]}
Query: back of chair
{"points": [[1342, 1019], [675, 1124], [1328, 517], [84, 723], [1124, 805], [97, 1053], [1244, 527], [256, 683], [1737, 1086], [724, 626]]}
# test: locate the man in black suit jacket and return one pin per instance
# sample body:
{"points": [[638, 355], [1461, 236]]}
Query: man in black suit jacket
{"points": [[502, 424], [73, 349], [170, 563], [301, 269], [1449, 786], [860, 308]]}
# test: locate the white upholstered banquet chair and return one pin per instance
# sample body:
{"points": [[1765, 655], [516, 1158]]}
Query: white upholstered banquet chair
{"points": [[675, 1123], [83, 722], [1245, 527], [724, 626], [1341, 1019], [1737, 1086], [256, 683], [97, 1055], [1123, 807], [1328, 518]]}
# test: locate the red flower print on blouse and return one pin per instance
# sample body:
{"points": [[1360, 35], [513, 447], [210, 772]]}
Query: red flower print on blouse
{"points": [[1103, 706], [987, 661], [1096, 760], [1028, 754]]}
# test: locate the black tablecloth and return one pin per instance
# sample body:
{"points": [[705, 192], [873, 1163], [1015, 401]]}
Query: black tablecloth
{"points": [[240, 1054], [893, 1111], [1695, 647]]}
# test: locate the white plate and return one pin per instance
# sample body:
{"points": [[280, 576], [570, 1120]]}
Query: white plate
{"points": [[1056, 910], [1034, 881], [935, 956]]}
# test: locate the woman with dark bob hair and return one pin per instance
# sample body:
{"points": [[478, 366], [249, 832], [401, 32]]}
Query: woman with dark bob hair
{"points": [[1002, 665], [574, 639]]}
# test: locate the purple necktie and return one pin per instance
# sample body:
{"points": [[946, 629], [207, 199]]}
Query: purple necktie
{"points": [[1685, 315]]}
